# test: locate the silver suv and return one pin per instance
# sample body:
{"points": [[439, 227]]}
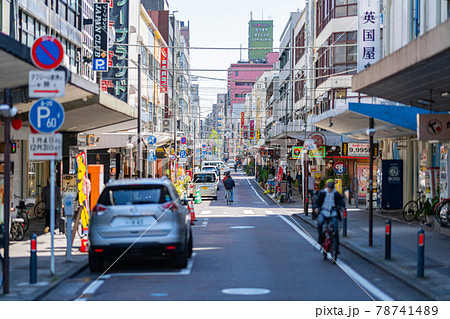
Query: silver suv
{"points": [[146, 214]]}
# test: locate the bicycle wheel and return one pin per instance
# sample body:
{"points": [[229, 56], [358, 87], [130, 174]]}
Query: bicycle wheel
{"points": [[410, 211], [39, 211], [444, 214], [17, 231], [437, 212]]}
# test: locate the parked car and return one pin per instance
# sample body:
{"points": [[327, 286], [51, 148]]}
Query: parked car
{"points": [[206, 182], [146, 215], [221, 167], [214, 169]]}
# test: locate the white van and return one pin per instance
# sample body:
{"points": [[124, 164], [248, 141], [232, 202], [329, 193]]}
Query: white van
{"points": [[219, 164]]}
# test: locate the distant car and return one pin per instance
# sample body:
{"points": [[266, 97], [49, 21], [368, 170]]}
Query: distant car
{"points": [[230, 164], [206, 182], [147, 215], [221, 167]]}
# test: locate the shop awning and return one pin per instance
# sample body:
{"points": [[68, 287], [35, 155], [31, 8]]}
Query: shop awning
{"points": [[407, 75], [353, 120]]}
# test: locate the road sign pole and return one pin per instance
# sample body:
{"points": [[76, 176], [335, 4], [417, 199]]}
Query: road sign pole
{"points": [[52, 217]]}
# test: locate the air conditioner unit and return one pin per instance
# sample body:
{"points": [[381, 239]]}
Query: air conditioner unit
{"points": [[166, 126]]}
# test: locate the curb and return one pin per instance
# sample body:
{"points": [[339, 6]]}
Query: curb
{"points": [[403, 278], [52, 287]]}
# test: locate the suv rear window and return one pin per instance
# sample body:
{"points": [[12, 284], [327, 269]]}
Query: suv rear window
{"points": [[132, 195], [204, 178]]}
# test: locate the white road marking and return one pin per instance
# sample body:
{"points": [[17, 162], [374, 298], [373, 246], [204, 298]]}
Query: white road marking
{"points": [[242, 227], [206, 212], [269, 212], [347, 269], [183, 272], [248, 212], [92, 288], [258, 195], [246, 291]]}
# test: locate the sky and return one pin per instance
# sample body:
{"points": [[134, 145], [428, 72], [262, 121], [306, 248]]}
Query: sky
{"points": [[224, 24]]}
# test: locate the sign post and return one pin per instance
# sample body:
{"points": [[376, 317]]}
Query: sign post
{"points": [[47, 116], [100, 38]]}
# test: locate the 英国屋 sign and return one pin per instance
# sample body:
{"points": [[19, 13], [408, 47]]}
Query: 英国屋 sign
{"points": [[369, 49]]}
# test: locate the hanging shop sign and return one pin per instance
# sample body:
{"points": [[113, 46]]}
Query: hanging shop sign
{"points": [[242, 119], [315, 153], [369, 49], [433, 127], [164, 70], [339, 168], [358, 149], [115, 81], [296, 151], [319, 138], [252, 129]]}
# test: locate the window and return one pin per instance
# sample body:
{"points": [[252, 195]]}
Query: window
{"points": [[244, 83], [129, 195], [345, 56], [240, 95], [236, 73], [345, 8], [340, 93], [299, 44]]}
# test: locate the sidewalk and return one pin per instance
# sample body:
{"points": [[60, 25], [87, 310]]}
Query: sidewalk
{"points": [[20, 288], [403, 265]]}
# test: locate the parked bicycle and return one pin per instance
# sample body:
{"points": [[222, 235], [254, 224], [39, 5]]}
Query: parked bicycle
{"points": [[442, 212], [415, 209], [330, 245], [17, 231], [22, 212]]}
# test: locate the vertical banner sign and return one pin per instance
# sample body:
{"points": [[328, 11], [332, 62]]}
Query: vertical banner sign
{"points": [[101, 26], [242, 122], [369, 50], [163, 74], [115, 81], [252, 129]]}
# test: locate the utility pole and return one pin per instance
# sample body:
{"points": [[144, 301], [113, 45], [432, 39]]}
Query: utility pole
{"points": [[174, 103], [371, 133], [139, 145], [7, 184]]}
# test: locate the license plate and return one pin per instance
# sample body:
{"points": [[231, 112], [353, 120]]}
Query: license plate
{"points": [[133, 221], [205, 187]]}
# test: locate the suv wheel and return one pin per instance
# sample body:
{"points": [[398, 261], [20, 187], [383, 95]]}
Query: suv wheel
{"points": [[181, 258], [95, 263]]}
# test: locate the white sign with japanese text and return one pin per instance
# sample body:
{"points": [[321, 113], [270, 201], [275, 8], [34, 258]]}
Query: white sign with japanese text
{"points": [[45, 147], [369, 20], [46, 84], [433, 127], [358, 149]]}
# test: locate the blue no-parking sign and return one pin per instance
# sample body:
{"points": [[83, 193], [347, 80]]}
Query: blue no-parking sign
{"points": [[47, 52], [46, 115]]}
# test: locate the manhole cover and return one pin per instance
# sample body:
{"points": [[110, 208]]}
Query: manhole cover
{"points": [[242, 227], [246, 291]]}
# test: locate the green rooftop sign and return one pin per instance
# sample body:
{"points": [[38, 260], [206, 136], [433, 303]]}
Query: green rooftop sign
{"points": [[260, 35]]}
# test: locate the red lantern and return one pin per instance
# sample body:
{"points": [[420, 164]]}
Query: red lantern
{"points": [[16, 124], [33, 130]]}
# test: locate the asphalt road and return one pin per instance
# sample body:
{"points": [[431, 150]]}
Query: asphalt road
{"points": [[252, 250]]}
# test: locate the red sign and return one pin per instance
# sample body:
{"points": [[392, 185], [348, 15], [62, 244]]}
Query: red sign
{"points": [[163, 72], [320, 139], [47, 52], [252, 129]]}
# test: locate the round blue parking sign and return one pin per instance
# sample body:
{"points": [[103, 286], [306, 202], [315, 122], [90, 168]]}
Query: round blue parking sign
{"points": [[46, 115]]}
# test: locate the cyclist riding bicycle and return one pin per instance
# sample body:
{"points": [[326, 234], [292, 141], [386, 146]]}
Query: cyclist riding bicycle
{"points": [[229, 185], [328, 205]]}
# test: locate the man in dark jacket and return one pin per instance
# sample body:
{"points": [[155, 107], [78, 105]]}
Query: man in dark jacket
{"points": [[328, 205], [229, 185]]}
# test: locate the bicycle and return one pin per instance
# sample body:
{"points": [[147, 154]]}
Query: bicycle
{"points": [[228, 196], [39, 211], [414, 209], [442, 212], [330, 245], [22, 212]]}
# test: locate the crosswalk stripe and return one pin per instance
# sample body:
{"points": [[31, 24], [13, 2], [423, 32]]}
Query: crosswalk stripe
{"points": [[248, 212], [205, 212]]}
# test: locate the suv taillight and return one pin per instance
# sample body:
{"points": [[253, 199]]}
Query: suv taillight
{"points": [[99, 210], [170, 205]]}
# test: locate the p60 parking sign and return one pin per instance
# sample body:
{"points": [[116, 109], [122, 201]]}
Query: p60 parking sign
{"points": [[46, 115]]}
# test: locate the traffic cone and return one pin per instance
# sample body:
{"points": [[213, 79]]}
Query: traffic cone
{"points": [[192, 212], [84, 245], [198, 197]]}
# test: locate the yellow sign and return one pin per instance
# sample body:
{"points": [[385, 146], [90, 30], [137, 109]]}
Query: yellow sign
{"points": [[257, 135], [338, 185]]}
